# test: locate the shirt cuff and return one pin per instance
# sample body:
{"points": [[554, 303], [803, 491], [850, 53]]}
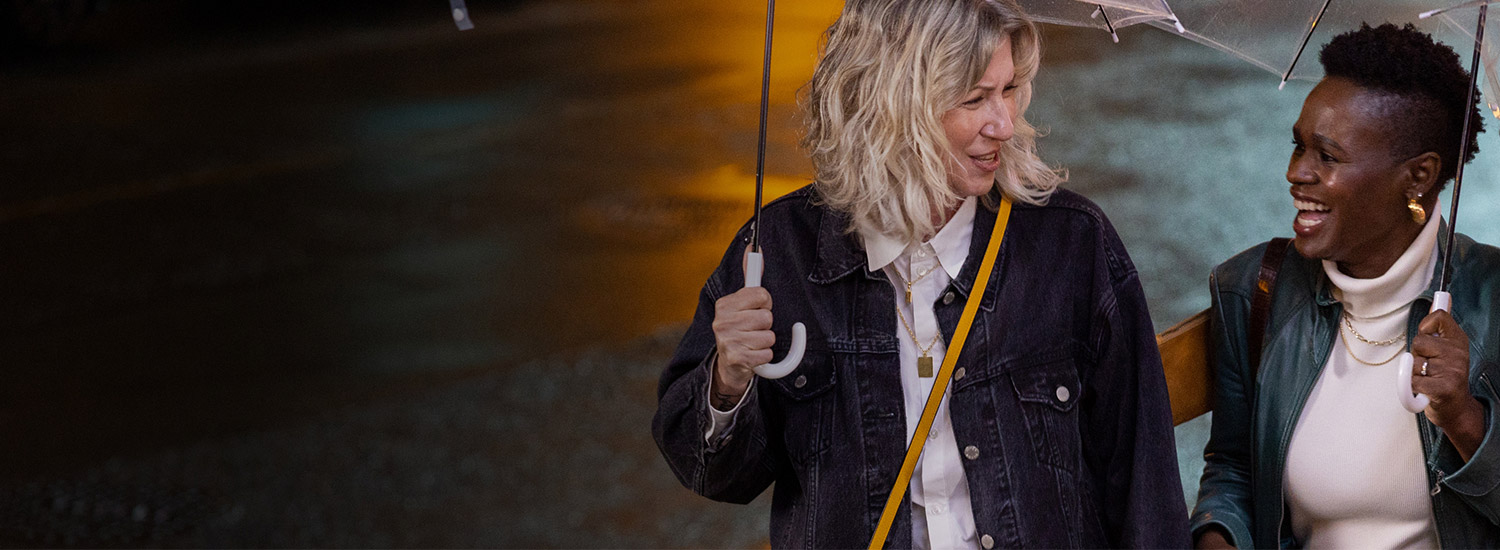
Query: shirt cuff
{"points": [[721, 421]]}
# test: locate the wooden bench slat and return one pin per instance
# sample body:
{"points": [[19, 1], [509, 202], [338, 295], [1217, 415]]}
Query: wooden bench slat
{"points": [[1184, 357]]}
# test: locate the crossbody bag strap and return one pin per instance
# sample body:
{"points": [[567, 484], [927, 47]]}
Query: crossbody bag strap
{"points": [[1260, 304], [940, 385]]}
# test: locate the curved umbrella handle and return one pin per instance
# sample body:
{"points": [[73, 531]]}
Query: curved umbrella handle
{"points": [[1412, 403], [1415, 403], [755, 266]]}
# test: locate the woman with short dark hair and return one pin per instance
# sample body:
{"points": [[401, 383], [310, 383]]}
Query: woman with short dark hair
{"points": [[1311, 445]]}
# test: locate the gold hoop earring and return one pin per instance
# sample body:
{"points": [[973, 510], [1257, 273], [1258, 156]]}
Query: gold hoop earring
{"points": [[1418, 214]]}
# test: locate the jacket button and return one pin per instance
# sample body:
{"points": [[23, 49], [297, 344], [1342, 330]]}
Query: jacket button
{"points": [[971, 452], [959, 374], [947, 297], [987, 542], [802, 381], [1063, 394]]}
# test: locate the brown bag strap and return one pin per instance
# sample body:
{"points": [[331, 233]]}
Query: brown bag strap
{"points": [[1260, 305]]}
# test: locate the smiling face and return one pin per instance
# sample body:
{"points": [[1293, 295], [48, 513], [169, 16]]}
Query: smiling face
{"points": [[981, 124], [1349, 190]]}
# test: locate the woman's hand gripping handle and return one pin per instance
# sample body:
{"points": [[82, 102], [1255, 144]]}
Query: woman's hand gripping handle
{"points": [[743, 337], [1416, 402], [755, 266]]}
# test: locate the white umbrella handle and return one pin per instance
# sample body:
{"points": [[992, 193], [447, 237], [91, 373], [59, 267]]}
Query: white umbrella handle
{"points": [[755, 266], [1415, 403]]}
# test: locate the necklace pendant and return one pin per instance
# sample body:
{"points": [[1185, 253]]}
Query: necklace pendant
{"points": [[908, 294], [924, 366]]}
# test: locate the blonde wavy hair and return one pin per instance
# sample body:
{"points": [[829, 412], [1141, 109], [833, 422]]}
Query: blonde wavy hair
{"points": [[888, 72]]}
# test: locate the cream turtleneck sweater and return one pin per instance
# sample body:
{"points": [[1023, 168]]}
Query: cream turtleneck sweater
{"points": [[1355, 474]]}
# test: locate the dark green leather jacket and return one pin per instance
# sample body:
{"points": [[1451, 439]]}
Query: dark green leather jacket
{"points": [[1241, 489]]}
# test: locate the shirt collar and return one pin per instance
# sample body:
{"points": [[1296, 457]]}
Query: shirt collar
{"points": [[881, 250], [951, 243]]}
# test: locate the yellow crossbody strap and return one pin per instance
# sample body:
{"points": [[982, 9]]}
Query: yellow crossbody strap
{"points": [[940, 385]]}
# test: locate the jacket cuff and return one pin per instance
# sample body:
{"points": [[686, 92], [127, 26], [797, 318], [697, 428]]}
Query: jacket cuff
{"points": [[1481, 474], [1239, 535]]}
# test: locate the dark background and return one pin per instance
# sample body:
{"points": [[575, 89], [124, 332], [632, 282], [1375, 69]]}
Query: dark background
{"points": [[336, 274]]}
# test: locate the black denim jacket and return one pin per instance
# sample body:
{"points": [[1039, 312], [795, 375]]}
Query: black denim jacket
{"points": [[1092, 466]]}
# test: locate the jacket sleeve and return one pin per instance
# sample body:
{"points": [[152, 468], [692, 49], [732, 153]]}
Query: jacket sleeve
{"points": [[1224, 493], [737, 465], [1477, 482], [1129, 445]]}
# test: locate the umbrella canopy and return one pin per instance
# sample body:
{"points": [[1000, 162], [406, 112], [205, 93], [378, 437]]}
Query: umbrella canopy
{"points": [[1106, 15], [1284, 36]]}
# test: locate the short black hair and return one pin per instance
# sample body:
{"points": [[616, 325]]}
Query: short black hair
{"points": [[1425, 77]]}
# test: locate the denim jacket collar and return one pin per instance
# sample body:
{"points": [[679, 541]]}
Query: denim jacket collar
{"points": [[839, 253]]}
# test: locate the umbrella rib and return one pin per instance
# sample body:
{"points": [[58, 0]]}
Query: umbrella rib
{"points": [[1288, 74], [760, 153], [1458, 178], [1108, 24], [1438, 11]]}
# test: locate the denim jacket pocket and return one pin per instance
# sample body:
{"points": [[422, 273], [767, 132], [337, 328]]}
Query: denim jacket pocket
{"points": [[1047, 386], [807, 395]]}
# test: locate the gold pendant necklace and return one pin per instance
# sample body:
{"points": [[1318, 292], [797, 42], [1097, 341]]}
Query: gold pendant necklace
{"points": [[924, 363]]}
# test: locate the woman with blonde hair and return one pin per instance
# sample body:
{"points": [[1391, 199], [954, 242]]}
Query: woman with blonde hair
{"points": [[1053, 429]]}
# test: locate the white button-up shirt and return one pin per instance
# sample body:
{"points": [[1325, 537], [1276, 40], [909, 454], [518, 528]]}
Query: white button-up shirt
{"points": [[942, 516]]}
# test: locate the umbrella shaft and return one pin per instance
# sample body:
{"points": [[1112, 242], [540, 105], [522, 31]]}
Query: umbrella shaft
{"points": [[760, 153], [1107, 23], [1305, 38], [1463, 150]]}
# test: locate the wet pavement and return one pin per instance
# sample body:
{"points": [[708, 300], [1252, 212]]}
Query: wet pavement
{"points": [[280, 275]]}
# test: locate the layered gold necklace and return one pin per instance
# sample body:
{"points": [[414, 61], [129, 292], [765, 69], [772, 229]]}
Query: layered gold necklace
{"points": [[1349, 324]]}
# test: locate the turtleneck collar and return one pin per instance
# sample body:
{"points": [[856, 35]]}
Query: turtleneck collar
{"points": [[1393, 290]]}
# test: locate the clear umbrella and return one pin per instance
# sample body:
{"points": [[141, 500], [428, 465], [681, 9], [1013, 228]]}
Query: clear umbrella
{"points": [[1275, 35], [1105, 15], [1284, 36]]}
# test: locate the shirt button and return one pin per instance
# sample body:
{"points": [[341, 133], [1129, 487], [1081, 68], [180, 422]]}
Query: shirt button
{"points": [[802, 381], [971, 452], [940, 508], [1063, 394], [959, 374], [987, 542], [948, 298]]}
